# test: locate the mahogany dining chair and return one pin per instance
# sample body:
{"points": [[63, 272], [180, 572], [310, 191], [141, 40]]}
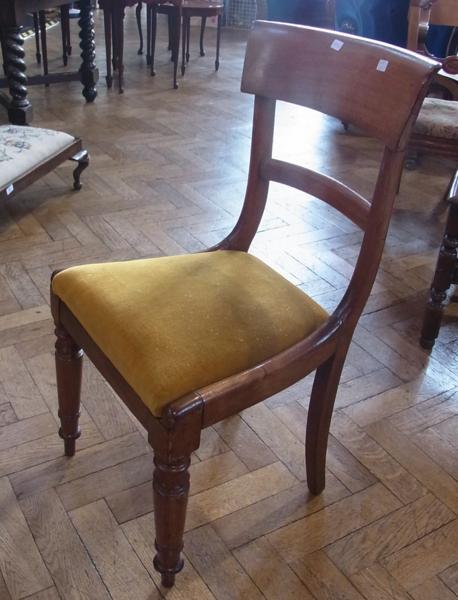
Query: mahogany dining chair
{"points": [[188, 341]]}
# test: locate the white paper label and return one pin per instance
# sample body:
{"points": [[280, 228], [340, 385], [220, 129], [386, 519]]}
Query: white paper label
{"points": [[337, 45], [10, 189], [382, 65]]}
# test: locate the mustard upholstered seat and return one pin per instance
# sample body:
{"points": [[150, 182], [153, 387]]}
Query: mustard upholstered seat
{"points": [[176, 324]]}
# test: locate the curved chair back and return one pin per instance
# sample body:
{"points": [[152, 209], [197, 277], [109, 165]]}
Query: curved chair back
{"points": [[373, 86]]}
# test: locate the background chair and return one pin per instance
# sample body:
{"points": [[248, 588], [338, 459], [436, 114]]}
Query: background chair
{"points": [[189, 8], [113, 17], [173, 10], [204, 9], [436, 132], [446, 273], [423, 14], [28, 153], [190, 340]]}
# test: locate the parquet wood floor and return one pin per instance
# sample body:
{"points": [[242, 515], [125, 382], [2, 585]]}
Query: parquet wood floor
{"points": [[167, 176]]}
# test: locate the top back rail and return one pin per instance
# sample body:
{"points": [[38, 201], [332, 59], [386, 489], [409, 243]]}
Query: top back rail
{"points": [[371, 85], [423, 13], [444, 12]]}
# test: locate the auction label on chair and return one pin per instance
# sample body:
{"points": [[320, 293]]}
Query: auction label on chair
{"points": [[10, 189]]}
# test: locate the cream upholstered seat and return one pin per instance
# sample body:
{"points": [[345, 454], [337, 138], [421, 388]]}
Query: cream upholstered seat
{"points": [[176, 324], [24, 149], [438, 118]]}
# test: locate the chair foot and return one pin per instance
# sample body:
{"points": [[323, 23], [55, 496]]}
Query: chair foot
{"points": [[216, 65], [168, 577], [109, 81], [82, 158], [69, 443], [171, 488]]}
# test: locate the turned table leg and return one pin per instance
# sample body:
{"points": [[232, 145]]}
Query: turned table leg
{"points": [[88, 72], [19, 109]]}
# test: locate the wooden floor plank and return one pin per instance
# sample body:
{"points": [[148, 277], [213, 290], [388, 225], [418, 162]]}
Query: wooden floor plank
{"points": [[217, 567], [376, 459], [59, 543], [401, 528], [333, 522], [425, 558], [280, 509], [238, 493], [121, 570], [431, 589], [21, 565], [189, 586], [270, 572], [92, 459], [417, 462], [324, 580]]}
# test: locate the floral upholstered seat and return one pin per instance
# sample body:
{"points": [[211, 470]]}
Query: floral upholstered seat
{"points": [[438, 118], [24, 149], [28, 153]]}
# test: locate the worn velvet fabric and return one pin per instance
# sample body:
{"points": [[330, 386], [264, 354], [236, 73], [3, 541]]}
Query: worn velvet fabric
{"points": [[175, 324]]}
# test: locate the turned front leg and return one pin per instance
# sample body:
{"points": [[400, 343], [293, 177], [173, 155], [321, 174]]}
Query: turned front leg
{"points": [[171, 488], [69, 363]]}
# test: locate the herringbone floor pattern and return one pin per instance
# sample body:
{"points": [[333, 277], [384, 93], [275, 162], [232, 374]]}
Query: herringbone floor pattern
{"points": [[167, 176]]}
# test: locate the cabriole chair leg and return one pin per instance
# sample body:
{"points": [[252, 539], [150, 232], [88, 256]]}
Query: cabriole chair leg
{"points": [[82, 158]]}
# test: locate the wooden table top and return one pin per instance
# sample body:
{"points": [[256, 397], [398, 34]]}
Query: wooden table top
{"points": [[15, 10]]}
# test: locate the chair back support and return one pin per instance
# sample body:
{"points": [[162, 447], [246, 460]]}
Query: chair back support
{"points": [[365, 83], [423, 13], [377, 87], [444, 12]]}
